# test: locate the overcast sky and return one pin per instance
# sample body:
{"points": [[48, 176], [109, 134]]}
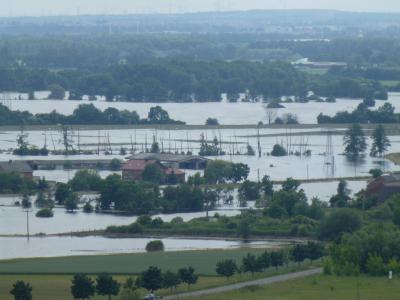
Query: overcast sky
{"points": [[56, 7]]}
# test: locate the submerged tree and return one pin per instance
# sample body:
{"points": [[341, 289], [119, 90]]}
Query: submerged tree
{"points": [[354, 142], [380, 141]]}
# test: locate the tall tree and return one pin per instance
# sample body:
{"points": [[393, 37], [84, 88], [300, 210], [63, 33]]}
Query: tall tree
{"points": [[354, 142], [82, 287], [226, 268], [151, 279], [21, 291], [107, 286], [380, 141], [188, 276]]}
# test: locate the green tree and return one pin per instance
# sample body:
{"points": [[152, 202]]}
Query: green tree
{"points": [[375, 173], [338, 222], [267, 186], [153, 173], [71, 203], [171, 280], [278, 150], [354, 142], [155, 246], [380, 141], [264, 260], [26, 201], [107, 286], [63, 191], [226, 268], [56, 92], [277, 259], [290, 185], [342, 197], [299, 253], [151, 279], [188, 276], [212, 122], [21, 291], [251, 264], [244, 228], [82, 287], [239, 172], [375, 265]]}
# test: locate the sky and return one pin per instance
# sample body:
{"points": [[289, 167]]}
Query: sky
{"points": [[73, 7]]}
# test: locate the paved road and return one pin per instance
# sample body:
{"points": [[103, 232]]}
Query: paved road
{"points": [[236, 286]]}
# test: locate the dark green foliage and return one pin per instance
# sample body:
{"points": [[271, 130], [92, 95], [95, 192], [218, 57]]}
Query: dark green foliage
{"points": [[21, 291], [45, 213], [278, 150], [151, 279], [249, 191], [342, 197], [184, 198], [63, 191], [277, 259], [155, 246], [218, 171], [170, 280], [340, 221], [85, 180], [250, 264], [188, 276], [88, 208], [82, 287], [354, 142], [212, 122], [267, 186], [116, 164], [375, 173], [71, 203], [226, 268], [384, 114], [290, 185], [380, 141], [15, 183], [107, 286], [153, 173], [83, 114]]}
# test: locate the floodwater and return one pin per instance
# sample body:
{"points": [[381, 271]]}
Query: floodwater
{"points": [[197, 113], [13, 220], [72, 246]]}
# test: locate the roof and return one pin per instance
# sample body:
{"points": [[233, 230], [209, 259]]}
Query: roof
{"points": [[168, 157], [137, 165], [15, 166]]}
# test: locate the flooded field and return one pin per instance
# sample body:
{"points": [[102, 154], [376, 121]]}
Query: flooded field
{"points": [[197, 113]]}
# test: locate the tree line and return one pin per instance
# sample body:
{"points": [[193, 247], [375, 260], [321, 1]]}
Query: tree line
{"points": [[85, 114]]}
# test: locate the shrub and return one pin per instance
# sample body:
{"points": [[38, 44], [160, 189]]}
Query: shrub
{"points": [[88, 208], [135, 228], [155, 246], [45, 213], [144, 220], [278, 150]]}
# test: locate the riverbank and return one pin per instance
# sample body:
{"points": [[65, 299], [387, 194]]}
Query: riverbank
{"points": [[391, 128]]}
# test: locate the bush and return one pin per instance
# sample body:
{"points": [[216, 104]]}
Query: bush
{"points": [[45, 213], [144, 220], [339, 222], [278, 150], [135, 228], [375, 265], [88, 208], [155, 246]]}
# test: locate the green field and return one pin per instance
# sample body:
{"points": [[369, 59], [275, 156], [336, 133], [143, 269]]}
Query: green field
{"points": [[203, 261], [389, 83], [318, 288]]}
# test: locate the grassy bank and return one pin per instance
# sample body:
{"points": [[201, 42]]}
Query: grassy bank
{"points": [[393, 157], [317, 288], [50, 287], [203, 261]]}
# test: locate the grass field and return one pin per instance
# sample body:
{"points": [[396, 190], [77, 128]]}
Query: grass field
{"points": [[389, 83], [393, 157], [203, 261], [318, 288]]}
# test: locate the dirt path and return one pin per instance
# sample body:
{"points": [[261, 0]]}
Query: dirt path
{"points": [[236, 286]]}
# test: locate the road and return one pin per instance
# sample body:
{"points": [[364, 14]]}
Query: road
{"points": [[236, 286]]}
